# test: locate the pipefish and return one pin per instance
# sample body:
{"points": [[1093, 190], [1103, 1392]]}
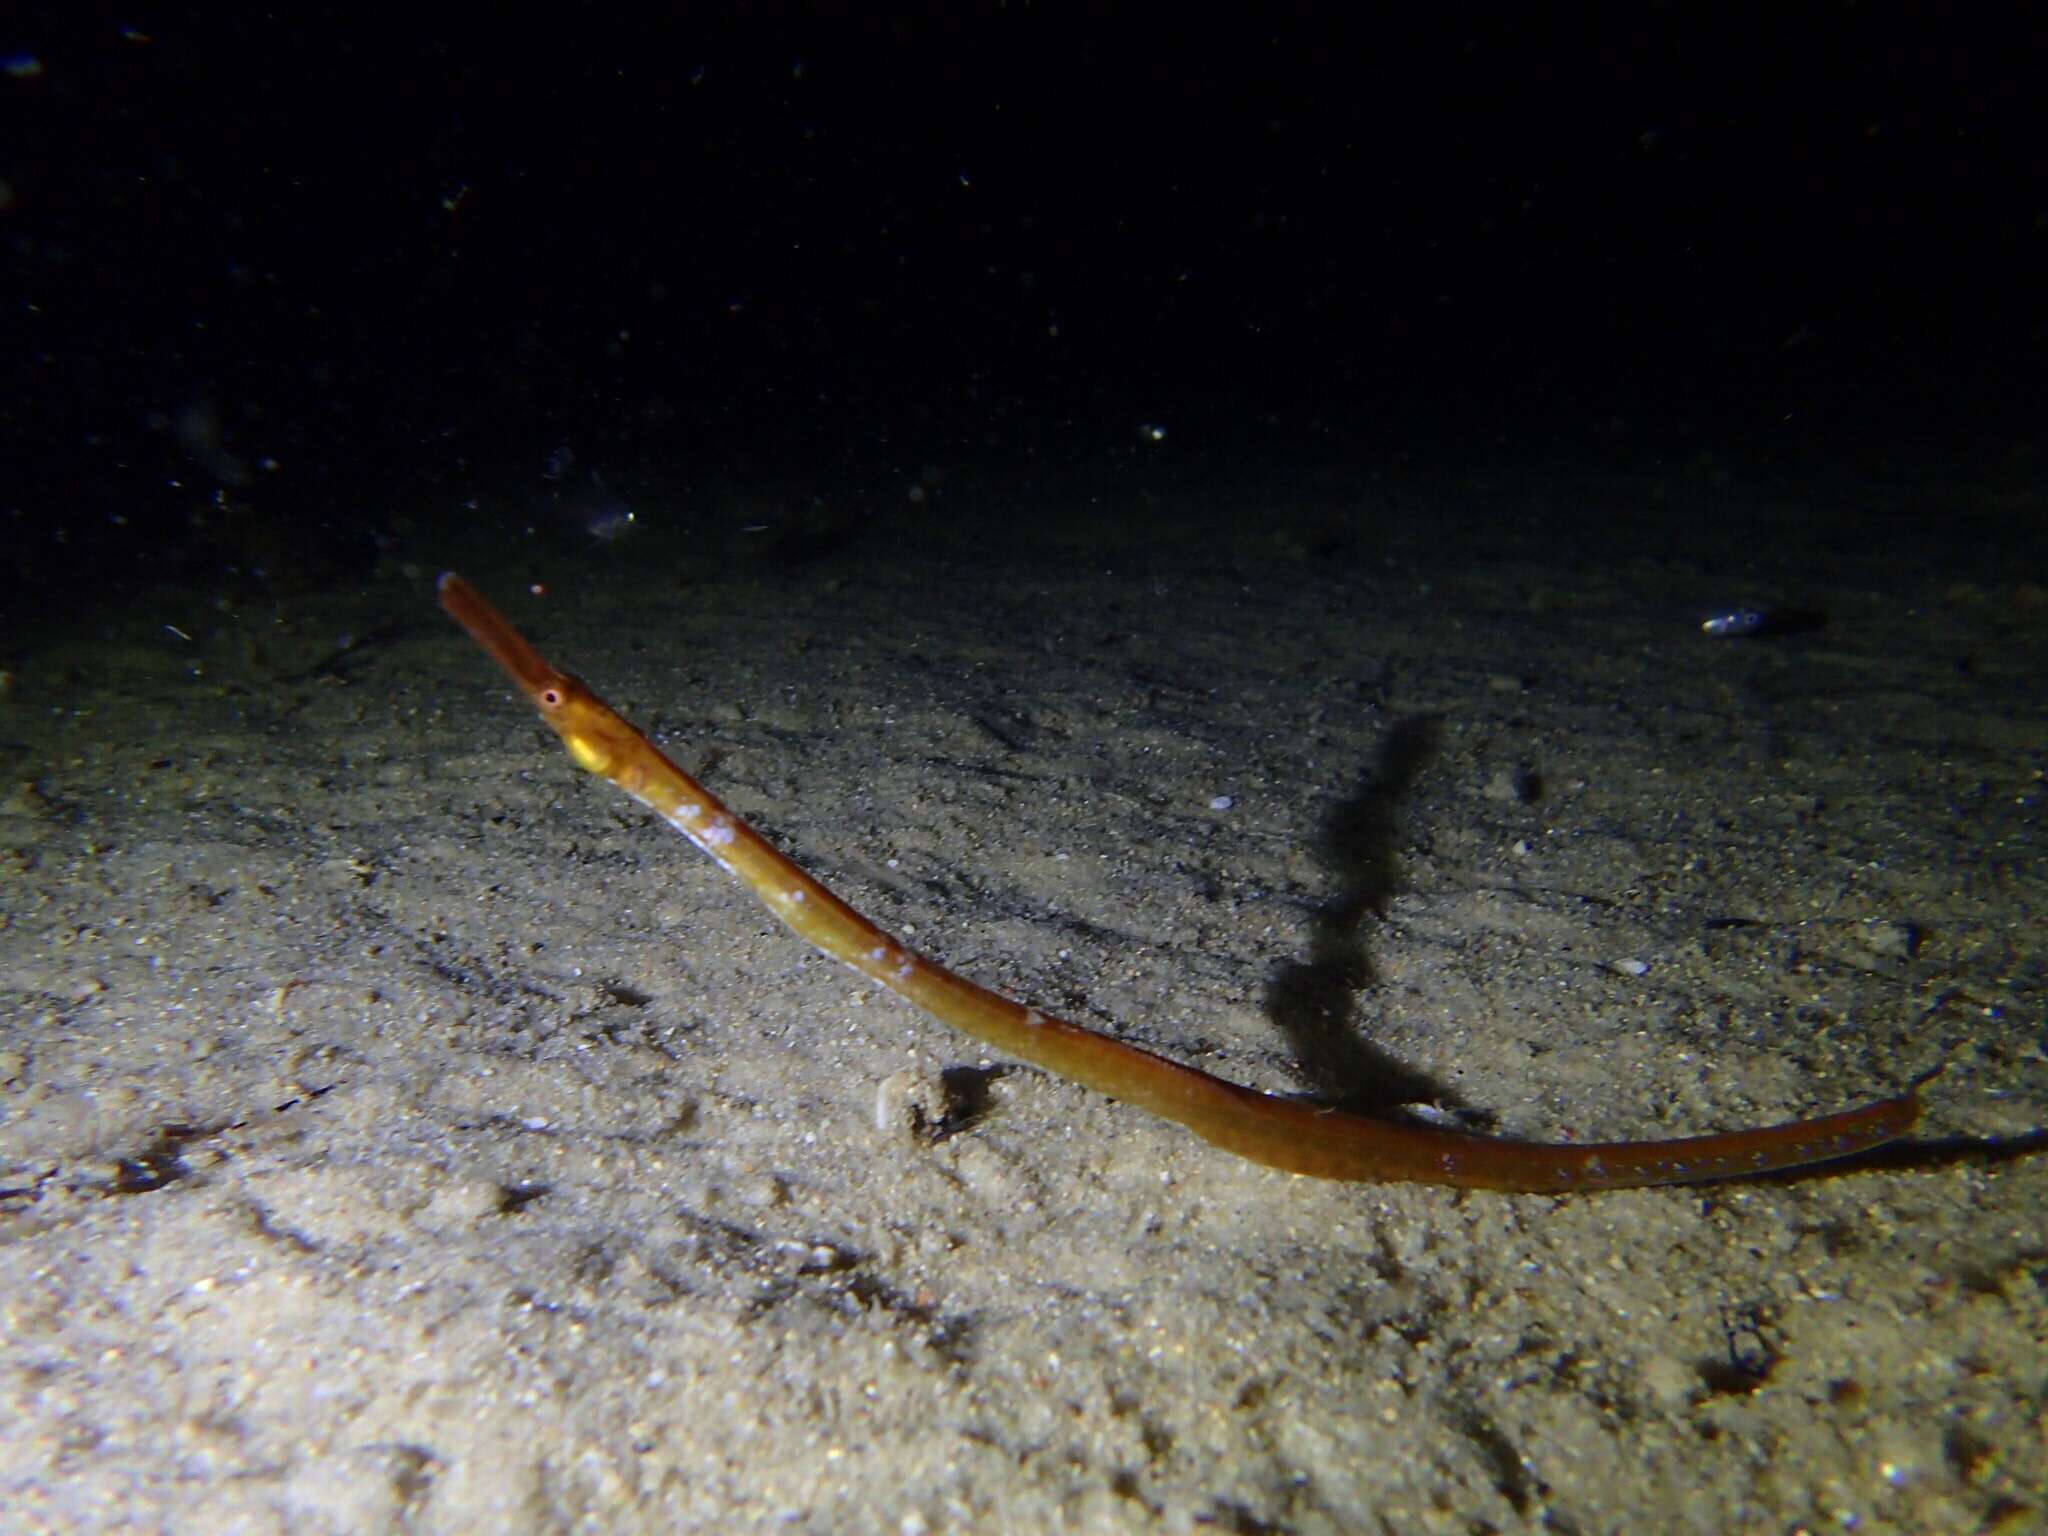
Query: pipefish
{"points": [[1266, 1128]]}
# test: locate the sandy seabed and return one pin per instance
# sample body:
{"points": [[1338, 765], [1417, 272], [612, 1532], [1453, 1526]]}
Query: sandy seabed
{"points": [[401, 1131]]}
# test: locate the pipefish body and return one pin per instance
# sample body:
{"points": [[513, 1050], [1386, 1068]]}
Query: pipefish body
{"points": [[1265, 1128]]}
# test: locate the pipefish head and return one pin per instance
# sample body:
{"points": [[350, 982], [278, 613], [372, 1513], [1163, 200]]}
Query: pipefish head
{"points": [[595, 735]]}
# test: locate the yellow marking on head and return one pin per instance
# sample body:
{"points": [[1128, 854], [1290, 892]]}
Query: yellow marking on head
{"points": [[588, 752]]}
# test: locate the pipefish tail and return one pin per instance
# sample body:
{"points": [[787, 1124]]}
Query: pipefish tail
{"points": [[1265, 1128]]}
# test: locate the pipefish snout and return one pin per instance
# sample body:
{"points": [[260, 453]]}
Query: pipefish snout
{"points": [[1266, 1128]]}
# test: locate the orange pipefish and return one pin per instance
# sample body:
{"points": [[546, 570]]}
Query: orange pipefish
{"points": [[1266, 1128]]}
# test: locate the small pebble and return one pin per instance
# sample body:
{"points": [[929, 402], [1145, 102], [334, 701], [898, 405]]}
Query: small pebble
{"points": [[1222, 802], [1516, 785], [1892, 939]]}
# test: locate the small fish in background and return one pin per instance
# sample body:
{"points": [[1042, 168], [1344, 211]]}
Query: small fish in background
{"points": [[1735, 624], [603, 514], [583, 499], [198, 430], [1758, 623]]}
